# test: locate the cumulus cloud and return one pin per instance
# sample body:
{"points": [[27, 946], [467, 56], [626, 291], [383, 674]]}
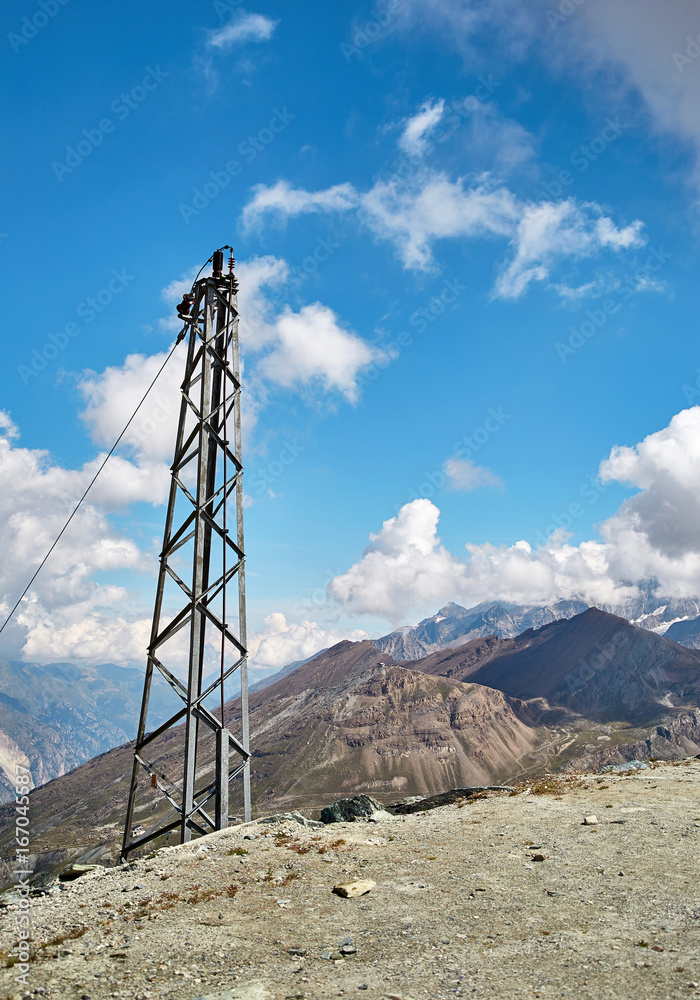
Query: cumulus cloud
{"points": [[414, 212], [307, 350], [281, 643], [87, 630], [112, 395], [551, 231], [282, 202], [36, 497], [243, 28], [416, 131], [466, 476], [314, 348], [654, 536], [405, 566], [407, 569], [665, 467]]}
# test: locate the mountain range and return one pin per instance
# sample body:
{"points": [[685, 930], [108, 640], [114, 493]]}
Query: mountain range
{"points": [[575, 693], [595, 664], [54, 717], [454, 625]]}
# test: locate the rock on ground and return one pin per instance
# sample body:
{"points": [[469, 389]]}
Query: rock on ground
{"points": [[347, 810]]}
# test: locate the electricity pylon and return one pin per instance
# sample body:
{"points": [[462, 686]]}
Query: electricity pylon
{"points": [[197, 628]]}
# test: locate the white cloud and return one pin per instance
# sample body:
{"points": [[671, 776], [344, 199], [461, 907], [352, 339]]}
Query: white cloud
{"points": [[314, 348], [281, 643], [466, 476], [84, 632], [243, 28], [282, 202], [654, 536], [550, 231], [665, 467], [111, 396], [36, 498], [407, 569], [256, 277], [404, 567], [304, 350], [416, 132], [413, 213]]}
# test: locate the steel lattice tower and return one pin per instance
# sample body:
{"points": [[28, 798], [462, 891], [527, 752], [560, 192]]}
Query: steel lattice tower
{"points": [[203, 537]]}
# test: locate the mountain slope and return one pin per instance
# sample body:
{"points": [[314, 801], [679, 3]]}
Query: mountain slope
{"points": [[269, 679], [595, 664], [686, 632], [575, 693], [351, 720]]}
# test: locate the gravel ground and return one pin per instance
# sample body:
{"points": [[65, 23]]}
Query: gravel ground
{"points": [[461, 906]]}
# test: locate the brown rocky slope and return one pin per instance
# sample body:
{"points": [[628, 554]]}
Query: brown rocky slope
{"points": [[350, 720], [595, 664]]}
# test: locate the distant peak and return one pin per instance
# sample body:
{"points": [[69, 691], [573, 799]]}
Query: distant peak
{"points": [[451, 609], [594, 612]]}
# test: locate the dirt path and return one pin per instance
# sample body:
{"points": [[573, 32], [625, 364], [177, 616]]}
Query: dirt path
{"points": [[460, 907]]}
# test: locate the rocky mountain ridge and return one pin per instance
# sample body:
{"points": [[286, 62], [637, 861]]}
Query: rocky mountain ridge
{"points": [[595, 664], [454, 625]]}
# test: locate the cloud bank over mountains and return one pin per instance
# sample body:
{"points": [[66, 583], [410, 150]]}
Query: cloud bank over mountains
{"points": [[405, 570]]}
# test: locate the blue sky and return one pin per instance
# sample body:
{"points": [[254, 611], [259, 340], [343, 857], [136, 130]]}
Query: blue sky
{"points": [[467, 244]]}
